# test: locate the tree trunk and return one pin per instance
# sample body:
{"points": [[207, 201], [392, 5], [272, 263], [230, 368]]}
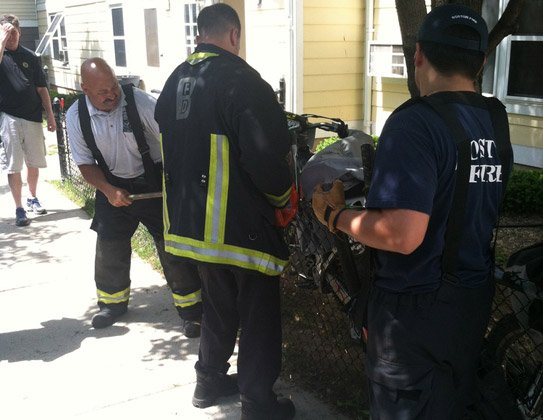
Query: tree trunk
{"points": [[507, 24], [411, 13]]}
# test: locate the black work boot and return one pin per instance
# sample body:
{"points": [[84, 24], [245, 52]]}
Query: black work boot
{"points": [[191, 328], [212, 385], [280, 409], [108, 315]]}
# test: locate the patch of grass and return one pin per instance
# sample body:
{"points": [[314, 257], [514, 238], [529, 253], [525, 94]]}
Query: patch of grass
{"points": [[144, 246], [52, 149]]}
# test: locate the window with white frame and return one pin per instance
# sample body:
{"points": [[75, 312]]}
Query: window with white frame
{"points": [[386, 60], [192, 9], [519, 69], [119, 42], [59, 43]]}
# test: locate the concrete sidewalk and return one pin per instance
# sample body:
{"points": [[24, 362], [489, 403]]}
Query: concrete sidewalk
{"points": [[54, 365]]}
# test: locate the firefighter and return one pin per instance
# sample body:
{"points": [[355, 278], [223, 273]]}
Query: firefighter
{"points": [[118, 160], [224, 142], [430, 215]]}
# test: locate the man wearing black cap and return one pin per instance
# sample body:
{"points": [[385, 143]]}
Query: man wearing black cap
{"points": [[439, 176]]}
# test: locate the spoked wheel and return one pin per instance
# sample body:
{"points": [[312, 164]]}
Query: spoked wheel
{"points": [[519, 353]]}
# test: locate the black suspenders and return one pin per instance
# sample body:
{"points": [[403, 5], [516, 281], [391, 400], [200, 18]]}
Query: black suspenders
{"points": [[440, 102], [151, 175]]}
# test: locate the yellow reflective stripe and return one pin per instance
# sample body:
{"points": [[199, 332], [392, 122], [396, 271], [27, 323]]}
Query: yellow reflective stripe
{"points": [[217, 193], [196, 58], [187, 300], [279, 200], [224, 254], [118, 297]]}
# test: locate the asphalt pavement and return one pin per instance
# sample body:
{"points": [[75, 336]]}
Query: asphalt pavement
{"points": [[54, 365]]}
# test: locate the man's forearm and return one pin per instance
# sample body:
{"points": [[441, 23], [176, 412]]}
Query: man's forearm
{"points": [[45, 100], [395, 230], [94, 175], [46, 103]]}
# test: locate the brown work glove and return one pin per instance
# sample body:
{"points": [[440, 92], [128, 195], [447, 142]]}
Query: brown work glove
{"points": [[328, 204]]}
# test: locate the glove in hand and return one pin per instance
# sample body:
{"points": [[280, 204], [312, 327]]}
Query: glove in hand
{"points": [[328, 204]]}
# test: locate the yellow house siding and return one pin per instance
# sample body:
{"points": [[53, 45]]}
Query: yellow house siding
{"points": [[387, 93], [527, 132], [385, 22], [334, 58]]}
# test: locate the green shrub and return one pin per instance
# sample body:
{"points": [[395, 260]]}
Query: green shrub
{"points": [[324, 143], [524, 193]]}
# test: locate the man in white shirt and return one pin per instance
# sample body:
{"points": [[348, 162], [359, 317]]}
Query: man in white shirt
{"points": [[109, 158]]}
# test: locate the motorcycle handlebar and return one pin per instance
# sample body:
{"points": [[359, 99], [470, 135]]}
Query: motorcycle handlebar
{"points": [[335, 125]]}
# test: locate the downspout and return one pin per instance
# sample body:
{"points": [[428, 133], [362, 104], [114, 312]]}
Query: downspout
{"points": [[368, 126], [296, 93]]}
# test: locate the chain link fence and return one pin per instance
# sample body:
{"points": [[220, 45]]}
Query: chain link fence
{"points": [[319, 353]]}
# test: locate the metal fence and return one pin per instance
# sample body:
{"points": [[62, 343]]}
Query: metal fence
{"points": [[320, 354]]}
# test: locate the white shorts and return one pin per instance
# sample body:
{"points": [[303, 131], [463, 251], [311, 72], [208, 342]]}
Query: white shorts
{"points": [[21, 140]]}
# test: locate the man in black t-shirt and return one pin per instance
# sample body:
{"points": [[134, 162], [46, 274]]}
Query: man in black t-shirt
{"points": [[23, 96]]}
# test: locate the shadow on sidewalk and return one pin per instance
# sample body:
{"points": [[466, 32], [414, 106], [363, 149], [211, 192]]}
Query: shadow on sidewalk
{"points": [[57, 338], [150, 306]]}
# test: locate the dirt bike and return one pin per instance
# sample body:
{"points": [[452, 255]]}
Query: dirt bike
{"points": [[333, 263]]}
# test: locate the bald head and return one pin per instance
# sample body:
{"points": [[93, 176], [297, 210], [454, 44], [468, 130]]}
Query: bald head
{"points": [[99, 83], [95, 67]]}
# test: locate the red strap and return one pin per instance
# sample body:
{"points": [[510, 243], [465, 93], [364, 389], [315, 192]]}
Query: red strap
{"points": [[285, 215]]}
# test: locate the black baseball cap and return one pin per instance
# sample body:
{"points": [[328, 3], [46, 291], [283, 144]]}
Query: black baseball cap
{"points": [[435, 27]]}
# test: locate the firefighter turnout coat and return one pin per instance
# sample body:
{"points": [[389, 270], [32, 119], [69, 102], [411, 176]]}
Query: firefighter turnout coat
{"points": [[224, 144]]}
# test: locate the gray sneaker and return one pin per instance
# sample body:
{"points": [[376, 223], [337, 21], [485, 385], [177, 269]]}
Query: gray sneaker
{"points": [[34, 205]]}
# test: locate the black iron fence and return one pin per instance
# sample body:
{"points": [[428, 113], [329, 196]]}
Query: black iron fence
{"points": [[320, 354]]}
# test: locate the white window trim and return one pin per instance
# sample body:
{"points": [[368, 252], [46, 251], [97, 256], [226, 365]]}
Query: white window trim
{"points": [[190, 40], [57, 35], [51, 29], [118, 37], [514, 104]]}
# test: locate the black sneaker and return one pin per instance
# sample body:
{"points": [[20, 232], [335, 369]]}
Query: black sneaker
{"points": [[34, 205], [20, 217], [191, 329], [107, 316]]}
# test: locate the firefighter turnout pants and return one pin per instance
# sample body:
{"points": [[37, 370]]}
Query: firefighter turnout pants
{"points": [[115, 227]]}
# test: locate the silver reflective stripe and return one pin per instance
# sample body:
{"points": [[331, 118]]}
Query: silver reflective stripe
{"points": [[187, 300], [226, 254], [118, 297]]}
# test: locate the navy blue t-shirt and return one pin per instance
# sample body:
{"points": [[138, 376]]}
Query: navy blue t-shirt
{"points": [[20, 74], [415, 169]]}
